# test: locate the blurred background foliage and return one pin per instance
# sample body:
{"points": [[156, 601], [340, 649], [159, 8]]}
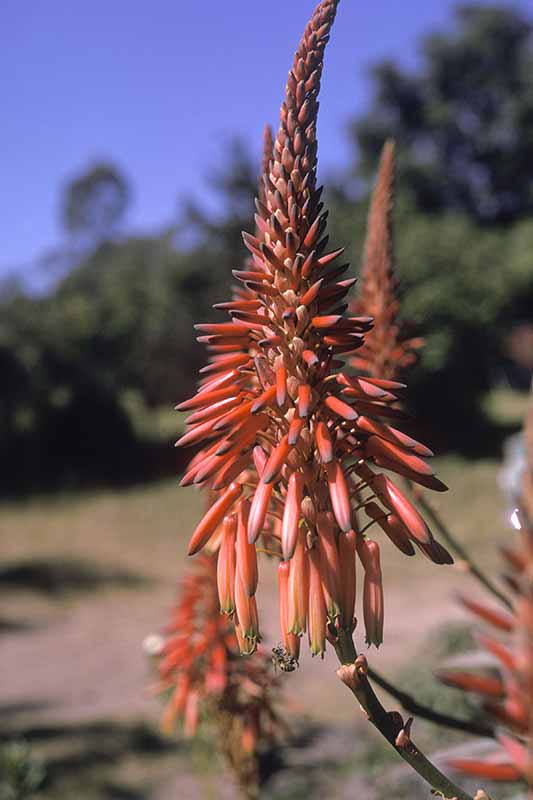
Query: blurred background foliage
{"points": [[91, 367]]}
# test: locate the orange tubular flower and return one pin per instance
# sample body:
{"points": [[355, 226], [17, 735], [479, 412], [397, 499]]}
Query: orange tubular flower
{"points": [[289, 439], [201, 667], [507, 696], [385, 353]]}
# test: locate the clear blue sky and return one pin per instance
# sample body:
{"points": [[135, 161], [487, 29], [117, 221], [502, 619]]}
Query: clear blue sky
{"points": [[156, 86]]}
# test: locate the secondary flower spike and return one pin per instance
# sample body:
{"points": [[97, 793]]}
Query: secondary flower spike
{"points": [[385, 352], [286, 434], [202, 672]]}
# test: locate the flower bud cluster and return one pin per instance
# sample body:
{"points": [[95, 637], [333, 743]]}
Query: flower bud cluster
{"points": [[294, 445]]}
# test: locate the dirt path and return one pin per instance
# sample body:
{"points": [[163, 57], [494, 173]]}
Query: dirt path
{"points": [[84, 658]]}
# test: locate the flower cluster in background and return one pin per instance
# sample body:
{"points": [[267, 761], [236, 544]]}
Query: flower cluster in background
{"points": [[506, 690], [386, 352], [204, 678]]}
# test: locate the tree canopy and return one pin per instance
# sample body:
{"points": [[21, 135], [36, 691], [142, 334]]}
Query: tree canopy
{"points": [[463, 121], [94, 202]]}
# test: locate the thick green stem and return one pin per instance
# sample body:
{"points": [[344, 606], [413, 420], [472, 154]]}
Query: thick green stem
{"points": [[353, 672]]}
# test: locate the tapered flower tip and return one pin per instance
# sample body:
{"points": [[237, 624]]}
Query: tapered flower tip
{"points": [[394, 499], [471, 682], [246, 552], [292, 514], [493, 771], [339, 495], [347, 550], [276, 460], [495, 617], [258, 510], [246, 609], [247, 645], [373, 610], [435, 552], [298, 588], [330, 569], [213, 517], [317, 612], [226, 566], [324, 442], [499, 650], [283, 599], [392, 526], [520, 755]]}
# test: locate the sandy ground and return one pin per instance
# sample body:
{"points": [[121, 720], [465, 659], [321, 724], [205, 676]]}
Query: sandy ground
{"points": [[83, 659]]}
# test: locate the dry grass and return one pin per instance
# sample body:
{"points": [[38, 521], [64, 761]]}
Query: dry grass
{"points": [[507, 406], [147, 527], [143, 528]]}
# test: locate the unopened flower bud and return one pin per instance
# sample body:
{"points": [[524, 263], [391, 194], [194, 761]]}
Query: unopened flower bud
{"points": [[292, 387], [308, 510]]}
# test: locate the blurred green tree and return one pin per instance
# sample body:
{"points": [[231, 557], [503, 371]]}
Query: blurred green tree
{"points": [[234, 183], [463, 288], [463, 122], [95, 202], [120, 320]]}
